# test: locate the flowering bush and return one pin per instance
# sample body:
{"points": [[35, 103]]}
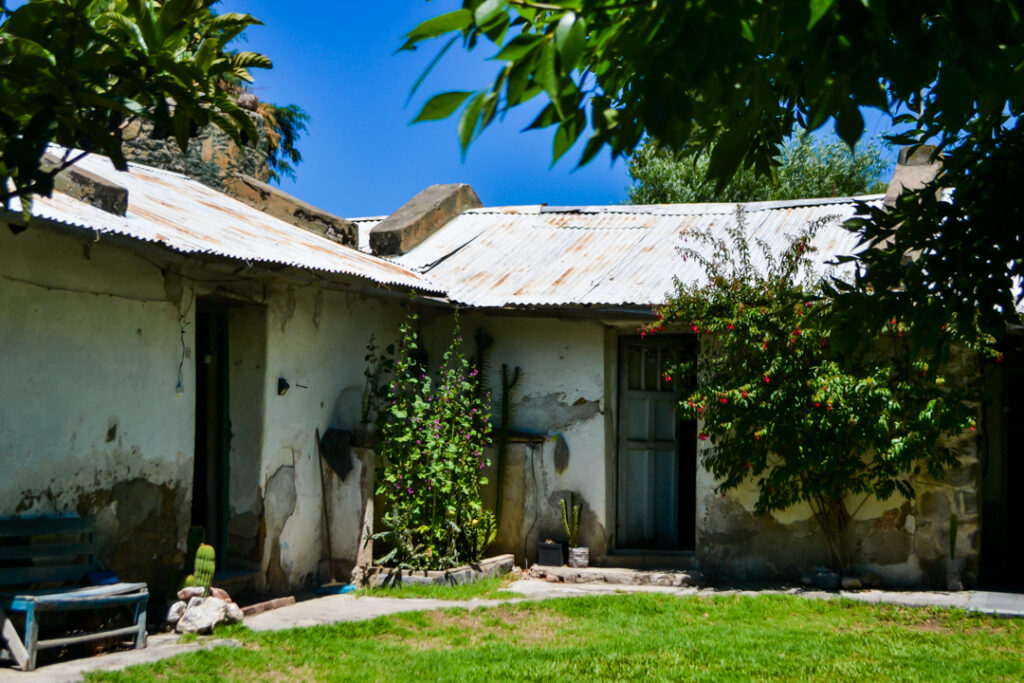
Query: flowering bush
{"points": [[433, 435], [778, 405]]}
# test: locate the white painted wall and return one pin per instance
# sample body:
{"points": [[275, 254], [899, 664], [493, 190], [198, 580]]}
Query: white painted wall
{"points": [[563, 370], [92, 347], [316, 340]]}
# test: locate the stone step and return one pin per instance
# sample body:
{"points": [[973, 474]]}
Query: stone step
{"points": [[649, 559], [616, 575]]}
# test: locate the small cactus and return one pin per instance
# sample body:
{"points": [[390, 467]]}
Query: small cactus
{"points": [[571, 519], [204, 566]]}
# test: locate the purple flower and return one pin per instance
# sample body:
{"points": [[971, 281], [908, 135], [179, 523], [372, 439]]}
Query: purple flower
{"points": [[417, 442], [399, 476], [410, 490], [481, 465]]}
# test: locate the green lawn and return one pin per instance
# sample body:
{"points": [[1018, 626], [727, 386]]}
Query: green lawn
{"points": [[485, 589], [625, 637]]}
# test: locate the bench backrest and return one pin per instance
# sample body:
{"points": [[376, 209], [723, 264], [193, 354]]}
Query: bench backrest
{"points": [[46, 550]]}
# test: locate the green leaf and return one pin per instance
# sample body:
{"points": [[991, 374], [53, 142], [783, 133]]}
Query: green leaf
{"points": [[546, 77], [249, 60], [486, 11], [570, 39], [452, 21], [727, 154], [818, 10], [442, 106], [469, 119], [518, 47]]}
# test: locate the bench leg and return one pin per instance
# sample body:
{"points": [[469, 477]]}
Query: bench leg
{"points": [[140, 621], [31, 637], [10, 636]]}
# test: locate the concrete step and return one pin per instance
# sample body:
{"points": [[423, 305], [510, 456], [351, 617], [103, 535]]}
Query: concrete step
{"points": [[616, 575], [649, 559]]}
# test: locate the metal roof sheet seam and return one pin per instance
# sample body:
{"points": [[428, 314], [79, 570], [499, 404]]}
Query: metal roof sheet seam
{"points": [[186, 216]]}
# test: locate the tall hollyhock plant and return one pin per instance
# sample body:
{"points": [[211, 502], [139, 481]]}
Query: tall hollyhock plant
{"points": [[433, 434], [779, 406]]}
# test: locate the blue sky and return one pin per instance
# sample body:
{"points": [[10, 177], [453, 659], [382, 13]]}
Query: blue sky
{"points": [[361, 157]]}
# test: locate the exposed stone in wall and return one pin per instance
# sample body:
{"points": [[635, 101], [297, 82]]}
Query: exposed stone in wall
{"points": [[140, 525], [279, 503], [553, 411], [212, 156]]}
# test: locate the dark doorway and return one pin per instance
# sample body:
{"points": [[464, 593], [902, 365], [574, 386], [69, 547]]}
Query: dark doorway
{"points": [[657, 455], [213, 434], [1002, 514]]}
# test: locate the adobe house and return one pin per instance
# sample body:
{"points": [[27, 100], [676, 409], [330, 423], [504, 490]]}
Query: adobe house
{"points": [[172, 349], [170, 352], [563, 291]]}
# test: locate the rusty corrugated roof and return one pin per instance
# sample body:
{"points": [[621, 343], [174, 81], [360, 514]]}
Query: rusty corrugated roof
{"points": [[604, 255], [191, 218]]}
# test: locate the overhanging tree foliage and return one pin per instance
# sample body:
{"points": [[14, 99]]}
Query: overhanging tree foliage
{"points": [[780, 406], [737, 77], [807, 168], [76, 72]]}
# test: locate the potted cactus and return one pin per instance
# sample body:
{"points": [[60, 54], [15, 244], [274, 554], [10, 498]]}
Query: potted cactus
{"points": [[578, 556]]}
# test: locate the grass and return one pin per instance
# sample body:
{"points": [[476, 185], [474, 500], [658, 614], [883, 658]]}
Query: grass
{"points": [[485, 589], [624, 637]]}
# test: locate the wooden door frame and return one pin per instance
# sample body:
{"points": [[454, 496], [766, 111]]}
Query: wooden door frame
{"points": [[620, 384]]}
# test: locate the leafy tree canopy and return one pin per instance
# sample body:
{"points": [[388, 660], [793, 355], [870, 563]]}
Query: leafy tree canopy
{"points": [[780, 406], [807, 168], [738, 77], [76, 72]]}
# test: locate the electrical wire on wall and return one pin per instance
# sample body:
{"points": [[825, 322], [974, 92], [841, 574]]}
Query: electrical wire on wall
{"points": [[179, 389]]}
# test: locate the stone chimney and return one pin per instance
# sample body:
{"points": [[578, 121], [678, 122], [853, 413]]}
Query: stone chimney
{"points": [[274, 202], [212, 157], [916, 167], [420, 217], [86, 186]]}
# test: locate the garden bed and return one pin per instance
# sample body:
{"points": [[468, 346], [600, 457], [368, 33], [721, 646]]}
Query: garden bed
{"points": [[377, 577]]}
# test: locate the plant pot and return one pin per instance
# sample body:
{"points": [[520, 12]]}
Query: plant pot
{"points": [[579, 557], [365, 435], [954, 574], [550, 554]]}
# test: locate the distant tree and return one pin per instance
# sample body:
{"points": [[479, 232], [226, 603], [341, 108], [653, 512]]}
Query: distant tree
{"points": [[287, 123], [77, 72], [807, 168]]}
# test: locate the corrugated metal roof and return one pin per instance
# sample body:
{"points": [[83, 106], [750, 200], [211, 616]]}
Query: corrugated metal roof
{"points": [[604, 255], [191, 218]]}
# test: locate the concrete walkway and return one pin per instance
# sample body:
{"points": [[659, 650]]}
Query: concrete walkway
{"points": [[340, 608]]}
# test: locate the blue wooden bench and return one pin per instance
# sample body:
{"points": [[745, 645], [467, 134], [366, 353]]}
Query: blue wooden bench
{"points": [[43, 562]]}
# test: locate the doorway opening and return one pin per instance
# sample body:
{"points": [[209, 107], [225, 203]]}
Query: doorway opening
{"points": [[1002, 475], [657, 452], [210, 501]]}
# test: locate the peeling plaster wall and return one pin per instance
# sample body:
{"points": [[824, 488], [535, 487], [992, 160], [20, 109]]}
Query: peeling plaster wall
{"points": [[561, 398], [90, 422], [905, 542], [316, 340]]}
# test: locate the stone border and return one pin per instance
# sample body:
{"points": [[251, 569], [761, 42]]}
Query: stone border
{"points": [[616, 575], [379, 577]]}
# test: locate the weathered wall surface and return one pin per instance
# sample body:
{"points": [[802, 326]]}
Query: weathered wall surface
{"points": [[90, 419], [316, 340], [560, 398], [905, 542]]}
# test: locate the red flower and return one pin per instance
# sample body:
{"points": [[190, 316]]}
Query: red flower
{"points": [[767, 379], [817, 405], [724, 400], [796, 332], [744, 394], [704, 437], [729, 327]]}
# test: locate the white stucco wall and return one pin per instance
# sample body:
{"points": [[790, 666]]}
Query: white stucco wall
{"points": [[561, 394], [316, 340], [90, 419]]}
